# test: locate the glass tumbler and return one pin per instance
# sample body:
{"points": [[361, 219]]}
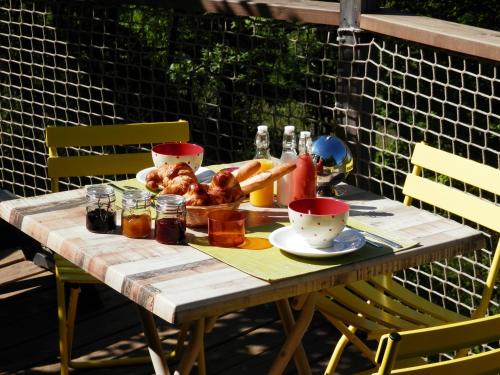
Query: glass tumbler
{"points": [[170, 225], [101, 211], [136, 213], [226, 228]]}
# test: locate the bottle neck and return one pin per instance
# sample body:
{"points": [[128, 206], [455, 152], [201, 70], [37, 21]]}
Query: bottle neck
{"points": [[262, 146], [262, 153], [289, 143], [305, 145]]}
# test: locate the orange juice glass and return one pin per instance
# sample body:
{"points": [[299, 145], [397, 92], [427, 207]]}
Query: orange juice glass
{"points": [[265, 196]]}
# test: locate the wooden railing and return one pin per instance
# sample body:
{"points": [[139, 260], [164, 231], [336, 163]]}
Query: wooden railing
{"points": [[473, 41]]}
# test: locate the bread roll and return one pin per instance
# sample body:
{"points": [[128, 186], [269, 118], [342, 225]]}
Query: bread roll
{"points": [[247, 170], [261, 179]]}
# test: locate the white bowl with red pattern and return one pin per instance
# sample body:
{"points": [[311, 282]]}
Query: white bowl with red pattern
{"points": [[318, 220], [172, 153]]}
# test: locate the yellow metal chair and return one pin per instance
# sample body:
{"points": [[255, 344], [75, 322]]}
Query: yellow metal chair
{"points": [[397, 350], [381, 305], [98, 165]]}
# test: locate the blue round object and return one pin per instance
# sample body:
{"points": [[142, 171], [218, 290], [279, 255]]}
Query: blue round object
{"points": [[333, 160]]}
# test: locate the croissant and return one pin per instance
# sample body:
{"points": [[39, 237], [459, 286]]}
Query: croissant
{"points": [[224, 188], [197, 195], [175, 178]]}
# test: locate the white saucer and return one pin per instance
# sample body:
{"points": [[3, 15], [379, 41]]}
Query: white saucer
{"points": [[288, 240], [203, 174]]}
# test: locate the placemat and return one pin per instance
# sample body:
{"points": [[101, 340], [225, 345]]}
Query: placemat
{"points": [[269, 263], [272, 264]]}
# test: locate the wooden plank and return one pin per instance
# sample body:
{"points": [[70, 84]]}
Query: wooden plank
{"points": [[457, 167], [469, 40], [8, 257], [20, 271], [25, 285], [155, 132], [314, 12]]}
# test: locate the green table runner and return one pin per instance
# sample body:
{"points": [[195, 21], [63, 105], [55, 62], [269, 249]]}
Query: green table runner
{"points": [[270, 263]]}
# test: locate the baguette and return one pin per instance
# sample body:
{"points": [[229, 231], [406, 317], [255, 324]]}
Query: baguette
{"points": [[247, 170], [264, 178]]}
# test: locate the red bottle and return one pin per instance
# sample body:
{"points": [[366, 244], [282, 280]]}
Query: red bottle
{"points": [[304, 176]]}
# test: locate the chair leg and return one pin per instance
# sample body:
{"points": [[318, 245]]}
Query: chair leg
{"points": [[71, 316], [63, 334], [348, 335], [337, 353]]}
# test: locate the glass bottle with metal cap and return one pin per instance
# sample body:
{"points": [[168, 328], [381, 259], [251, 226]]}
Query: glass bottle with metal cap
{"points": [[170, 225], [136, 213], [304, 176], [101, 211], [263, 197], [288, 155]]}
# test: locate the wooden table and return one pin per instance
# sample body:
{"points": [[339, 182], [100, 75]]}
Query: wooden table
{"points": [[180, 283]]}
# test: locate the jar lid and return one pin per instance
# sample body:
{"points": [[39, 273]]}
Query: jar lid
{"points": [[167, 201], [136, 197], [100, 192], [289, 129]]}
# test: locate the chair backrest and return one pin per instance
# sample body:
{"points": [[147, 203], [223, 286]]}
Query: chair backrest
{"points": [[397, 347], [464, 204], [108, 135]]}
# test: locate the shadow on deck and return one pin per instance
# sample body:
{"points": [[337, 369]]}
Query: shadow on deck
{"points": [[243, 342]]}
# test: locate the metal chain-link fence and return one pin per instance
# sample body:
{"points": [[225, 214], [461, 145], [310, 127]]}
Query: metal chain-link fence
{"points": [[77, 63]]}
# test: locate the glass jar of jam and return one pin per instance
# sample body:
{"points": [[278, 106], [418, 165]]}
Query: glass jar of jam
{"points": [[170, 225], [101, 211], [136, 213]]}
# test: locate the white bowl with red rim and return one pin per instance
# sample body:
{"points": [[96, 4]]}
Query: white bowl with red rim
{"points": [[318, 220], [172, 153]]}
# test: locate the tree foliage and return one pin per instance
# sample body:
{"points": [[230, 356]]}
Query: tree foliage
{"points": [[485, 13]]}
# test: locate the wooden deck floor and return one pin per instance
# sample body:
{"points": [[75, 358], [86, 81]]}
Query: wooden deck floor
{"points": [[243, 342]]}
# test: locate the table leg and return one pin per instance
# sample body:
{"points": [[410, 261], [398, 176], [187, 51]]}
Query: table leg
{"points": [[193, 349], [288, 322], [295, 333], [153, 341]]}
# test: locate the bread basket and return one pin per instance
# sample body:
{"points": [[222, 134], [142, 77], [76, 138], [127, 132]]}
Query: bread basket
{"points": [[197, 216]]}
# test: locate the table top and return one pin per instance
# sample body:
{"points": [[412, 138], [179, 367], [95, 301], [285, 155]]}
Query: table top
{"points": [[179, 283]]}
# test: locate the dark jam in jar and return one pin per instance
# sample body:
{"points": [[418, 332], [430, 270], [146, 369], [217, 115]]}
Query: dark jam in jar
{"points": [[101, 212], [170, 231], [101, 220], [170, 226]]}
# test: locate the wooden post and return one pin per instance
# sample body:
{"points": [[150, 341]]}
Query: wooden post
{"points": [[353, 109]]}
